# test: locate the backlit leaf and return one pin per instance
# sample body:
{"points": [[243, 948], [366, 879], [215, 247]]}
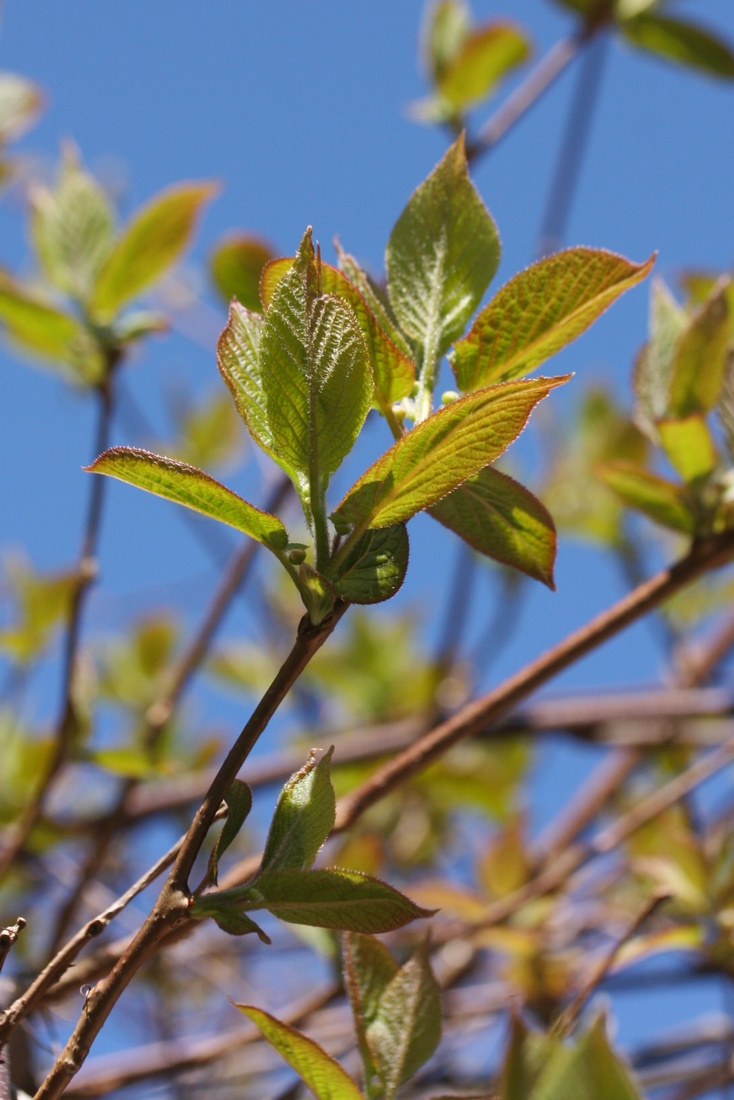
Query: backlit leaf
{"points": [[236, 264], [153, 241], [315, 376], [699, 360], [375, 567], [447, 25], [661, 500], [442, 254], [303, 818], [682, 42], [20, 104], [589, 1068], [540, 311], [442, 452], [502, 519], [191, 487], [320, 1073], [689, 446], [486, 55], [368, 969], [238, 356], [654, 364], [239, 803], [344, 900]]}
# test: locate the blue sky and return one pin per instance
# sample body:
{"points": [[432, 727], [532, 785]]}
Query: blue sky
{"points": [[298, 110]]}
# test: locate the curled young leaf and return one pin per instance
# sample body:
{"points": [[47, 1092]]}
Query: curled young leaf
{"points": [[303, 818], [375, 567]]}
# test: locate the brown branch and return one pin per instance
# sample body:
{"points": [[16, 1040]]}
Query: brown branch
{"points": [[171, 909], [86, 572], [472, 718], [8, 936]]}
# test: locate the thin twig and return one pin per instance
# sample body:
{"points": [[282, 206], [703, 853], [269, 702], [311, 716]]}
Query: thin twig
{"points": [[8, 936], [172, 907], [67, 724]]}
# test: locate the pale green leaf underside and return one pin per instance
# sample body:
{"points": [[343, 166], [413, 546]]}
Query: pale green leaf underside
{"points": [[186, 485], [151, 243], [393, 372], [660, 500], [315, 375], [407, 1027], [375, 567], [442, 254], [238, 356], [540, 311], [303, 818], [442, 452], [502, 519], [320, 1073], [333, 898]]}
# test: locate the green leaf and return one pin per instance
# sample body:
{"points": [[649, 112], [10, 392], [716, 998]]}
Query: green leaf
{"points": [[406, 1028], [375, 296], [375, 567], [447, 24], [441, 453], [689, 446], [42, 331], [191, 487], [239, 803], [72, 227], [316, 591], [588, 1069], [344, 900], [654, 365], [238, 924], [238, 356], [442, 254], [393, 372], [700, 356], [236, 264], [540, 311], [153, 241], [502, 519], [660, 500], [20, 103], [368, 969], [42, 604], [316, 380], [680, 41], [527, 1054], [303, 818], [486, 55], [320, 1073]]}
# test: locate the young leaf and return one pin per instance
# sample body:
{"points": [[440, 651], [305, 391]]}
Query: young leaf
{"points": [[526, 1056], [539, 311], [191, 487], [589, 1068], [320, 1073], [315, 377], [502, 519], [699, 360], [368, 969], [375, 567], [654, 365], [317, 593], [680, 41], [442, 254], [236, 264], [20, 103], [406, 1028], [44, 332], [442, 452], [303, 818], [238, 924], [689, 446], [239, 804], [151, 243], [486, 55], [375, 296], [393, 372], [72, 228], [660, 500], [345, 900]]}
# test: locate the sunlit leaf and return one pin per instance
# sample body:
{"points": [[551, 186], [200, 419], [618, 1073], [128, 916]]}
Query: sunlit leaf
{"points": [[699, 361], [682, 42], [375, 567], [303, 818], [151, 243], [191, 487], [236, 264], [368, 969], [442, 254], [42, 603], [540, 311], [446, 26], [320, 1073], [72, 226], [689, 446], [333, 898], [654, 365], [660, 500], [441, 453], [20, 103], [486, 55], [239, 803], [588, 1068], [502, 519]]}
